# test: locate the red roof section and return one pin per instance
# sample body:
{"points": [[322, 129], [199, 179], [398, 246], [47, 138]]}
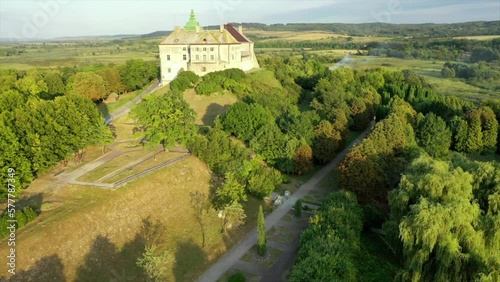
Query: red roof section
{"points": [[235, 33]]}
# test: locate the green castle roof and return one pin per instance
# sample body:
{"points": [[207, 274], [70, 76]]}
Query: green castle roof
{"points": [[192, 23]]}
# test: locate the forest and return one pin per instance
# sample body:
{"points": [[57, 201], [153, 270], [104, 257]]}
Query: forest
{"points": [[417, 181]]}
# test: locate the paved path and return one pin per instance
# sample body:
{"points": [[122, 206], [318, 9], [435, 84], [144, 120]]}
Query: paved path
{"points": [[123, 110], [232, 256]]}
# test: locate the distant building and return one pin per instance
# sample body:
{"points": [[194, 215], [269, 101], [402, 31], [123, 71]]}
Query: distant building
{"points": [[203, 51]]}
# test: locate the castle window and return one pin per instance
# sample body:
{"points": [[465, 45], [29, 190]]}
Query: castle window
{"points": [[184, 48], [197, 48], [184, 57], [168, 57], [197, 57], [169, 70], [212, 57], [204, 48], [232, 56], [203, 69], [211, 48], [204, 57]]}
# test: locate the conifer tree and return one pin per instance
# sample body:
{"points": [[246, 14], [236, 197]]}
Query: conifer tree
{"points": [[261, 230]]}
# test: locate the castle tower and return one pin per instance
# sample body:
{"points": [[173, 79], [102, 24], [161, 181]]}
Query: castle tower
{"points": [[192, 23]]}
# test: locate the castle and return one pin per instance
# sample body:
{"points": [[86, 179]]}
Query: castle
{"points": [[202, 51]]}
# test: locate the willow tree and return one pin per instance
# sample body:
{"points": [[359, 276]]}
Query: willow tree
{"points": [[439, 226]]}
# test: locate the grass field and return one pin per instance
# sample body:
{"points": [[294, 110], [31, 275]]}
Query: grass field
{"points": [[318, 35], [208, 107], [479, 37], [77, 53]]}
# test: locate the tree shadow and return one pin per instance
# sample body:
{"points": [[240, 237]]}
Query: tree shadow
{"points": [[188, 253], [105, 262], [213, 110], [48, 268], [34, 201]]}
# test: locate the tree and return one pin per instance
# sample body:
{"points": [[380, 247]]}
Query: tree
{"points": [[261, 230], [155, 265], [230, 191], [243, 120], [433, 135], [183, 81], [298, 208], [136, 73], [55, 84], [262, 181], [303, 159], [165, 119], [89, 85], [447, 72], [32, 83], [233, 214], [361, 113], [326, 142], [437, 221], [329, 246], [474, 143], [112, 80]]}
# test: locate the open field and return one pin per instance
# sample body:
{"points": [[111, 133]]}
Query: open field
{"points": [[78, 53], [479, 37], [318, 35]]}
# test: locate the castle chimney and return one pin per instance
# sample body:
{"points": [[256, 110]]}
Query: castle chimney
{"points": [[240, 29], [221, 28], [177, 27]]}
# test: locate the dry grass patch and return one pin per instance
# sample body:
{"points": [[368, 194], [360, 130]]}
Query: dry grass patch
{"points": [[114, 164], [149, 163], [207, 108], [96, 233]]}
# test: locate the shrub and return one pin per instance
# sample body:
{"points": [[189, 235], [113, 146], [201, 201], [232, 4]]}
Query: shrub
{"points": [[21, 219], [30, 214], [207, 87], [237, 277], [298, 208], [184, 80]]}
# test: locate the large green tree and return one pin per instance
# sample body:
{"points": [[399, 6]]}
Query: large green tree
{"points": [[243, 120], [439, 224], [433, 135], [136, 73], [89, 85], [165, 119]]}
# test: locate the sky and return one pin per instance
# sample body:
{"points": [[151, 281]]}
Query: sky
{"points": [[42, 19]]}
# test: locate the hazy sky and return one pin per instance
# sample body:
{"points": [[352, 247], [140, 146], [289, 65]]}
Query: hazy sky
{"points": [[55, 18]]}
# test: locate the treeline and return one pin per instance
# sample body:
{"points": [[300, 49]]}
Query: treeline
{"points": [[306, 44], [36, 134], [94, 83], [48, 115], [438, 49], [387, 29], [484, 75]]}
